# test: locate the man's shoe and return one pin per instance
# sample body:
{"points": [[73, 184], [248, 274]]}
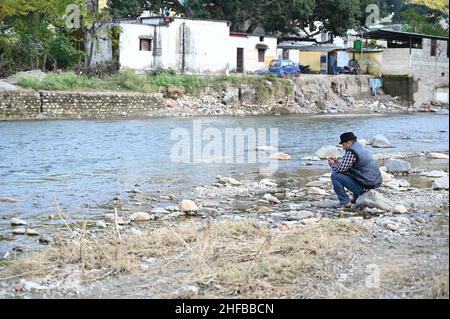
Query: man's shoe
{"points": [[348, 205]]}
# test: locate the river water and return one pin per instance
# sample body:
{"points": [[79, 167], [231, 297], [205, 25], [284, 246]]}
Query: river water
{"points": [[84, 164]]}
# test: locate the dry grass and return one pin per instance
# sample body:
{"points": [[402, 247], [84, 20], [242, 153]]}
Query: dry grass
{"points": [[235, 259]]}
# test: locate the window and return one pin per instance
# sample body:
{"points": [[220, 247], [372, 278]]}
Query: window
{"points": [[261, 39], [433, 47], [145, 44], [261, 55]]}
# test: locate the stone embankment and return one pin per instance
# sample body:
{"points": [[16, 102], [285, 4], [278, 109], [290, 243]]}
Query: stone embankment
{"points": [[309, 94]]}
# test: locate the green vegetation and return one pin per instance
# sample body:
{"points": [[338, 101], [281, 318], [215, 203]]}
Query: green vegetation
{"points": [[129, 81]]}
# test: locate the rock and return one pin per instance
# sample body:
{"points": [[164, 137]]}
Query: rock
{"points": [[264, 210], [229, 181], [420, 220], [310, 158], [386, 176], [101, 224], [8, 87], [328, 152], [25, 231], [271, 199], [187, 206], [434, 174], [173, 208], [441, 183], [140, 217], [268, 182], [280, 157], [159, 210], [392, 226], [46, 240], [8, 200], [397, 166], [28, 285], [375, 200], [397, 184], [399, 209], [317, 191], [438, 156], [300, 215], [326, 203], [18, 222], [319, 183], [309, 221], [380, 141]]}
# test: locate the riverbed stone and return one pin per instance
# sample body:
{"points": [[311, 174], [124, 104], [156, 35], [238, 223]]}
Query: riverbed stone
{"points": [[434, 174], [326, 203], [317, 191], [399, 209], [18, 222], [438, 155], [25, 231], [264, 210], [311, 158], [188, 206], [386, 176], [375, 200], [328, 152], [280, 156], [229, 181], [397, 166], [268, 182], [271, 199], [300, 215], [140, 217], [380, 141], [441, 183]]}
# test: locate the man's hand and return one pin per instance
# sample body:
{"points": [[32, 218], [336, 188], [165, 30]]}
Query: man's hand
{"points": [[331, 161]]}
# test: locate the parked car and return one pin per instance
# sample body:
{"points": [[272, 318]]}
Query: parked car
{"points": [[284, 68]]}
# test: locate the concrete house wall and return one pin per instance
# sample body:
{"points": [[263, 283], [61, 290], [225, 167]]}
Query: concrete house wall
{"points": [[249, 44], [202, 45], [430, 73]]}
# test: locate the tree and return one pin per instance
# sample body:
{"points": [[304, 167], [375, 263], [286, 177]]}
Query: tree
{"points": [[134, 8]]}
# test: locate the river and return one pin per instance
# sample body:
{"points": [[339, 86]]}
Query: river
{"points": [[84, 164]]}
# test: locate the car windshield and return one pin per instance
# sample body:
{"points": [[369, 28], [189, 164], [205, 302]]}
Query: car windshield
{"points": [[275, 64]]}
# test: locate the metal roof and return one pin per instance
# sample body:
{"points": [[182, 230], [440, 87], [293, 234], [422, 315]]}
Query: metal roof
{"points": [[310, 48], [397, 35]]}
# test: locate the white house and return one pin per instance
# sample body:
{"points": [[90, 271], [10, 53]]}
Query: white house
{"points": [[191, 46]]}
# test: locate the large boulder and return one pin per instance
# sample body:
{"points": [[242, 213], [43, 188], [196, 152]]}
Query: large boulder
{"points": [[374, 199], [33, 74], [329, 152], [441, 183], [434, 174], [380, 141], [397, 166], [188, 206]]}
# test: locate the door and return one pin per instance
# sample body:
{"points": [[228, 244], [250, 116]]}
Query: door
{"points": [[240, 60]]}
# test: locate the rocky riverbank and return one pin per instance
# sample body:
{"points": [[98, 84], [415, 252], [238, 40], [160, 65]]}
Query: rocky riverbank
{"points": [[247, 237], [309, 94]]}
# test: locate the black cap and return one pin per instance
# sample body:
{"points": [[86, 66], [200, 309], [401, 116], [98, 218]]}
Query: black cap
{"points": [[347, 137]]}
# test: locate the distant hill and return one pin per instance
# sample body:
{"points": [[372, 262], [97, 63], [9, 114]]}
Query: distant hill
{"points": [[442, 5]]}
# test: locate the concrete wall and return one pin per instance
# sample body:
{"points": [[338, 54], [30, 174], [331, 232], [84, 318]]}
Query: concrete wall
{"points": [[429, 72], [248, 43], [310, 58], [371, 62], [208, 47], [204, 47]]}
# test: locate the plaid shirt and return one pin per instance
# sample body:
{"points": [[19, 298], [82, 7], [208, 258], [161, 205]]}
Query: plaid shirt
{"points": [[348, 161]]}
